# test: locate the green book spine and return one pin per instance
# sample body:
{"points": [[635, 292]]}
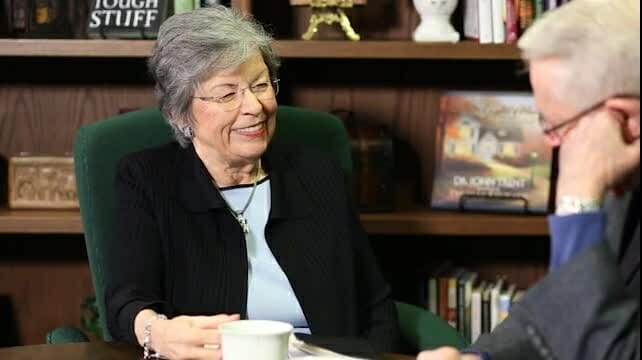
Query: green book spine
{"points": [[539, 8], [181, 6]]}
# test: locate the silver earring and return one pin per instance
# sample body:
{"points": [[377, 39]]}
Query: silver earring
{"points": [[188, 132]]}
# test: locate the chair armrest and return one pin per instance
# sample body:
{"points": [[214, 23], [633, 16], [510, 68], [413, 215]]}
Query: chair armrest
{"points": [[425, 330], [65, 335]]}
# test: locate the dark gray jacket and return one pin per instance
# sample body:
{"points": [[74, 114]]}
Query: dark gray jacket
{"points": [[589, 309]]}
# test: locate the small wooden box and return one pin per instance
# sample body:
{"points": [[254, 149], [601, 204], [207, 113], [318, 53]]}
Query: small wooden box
{"points": [[42, 182]]}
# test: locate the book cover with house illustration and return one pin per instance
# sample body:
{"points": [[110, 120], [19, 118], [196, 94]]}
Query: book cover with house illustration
{"points": [[491, 154]]}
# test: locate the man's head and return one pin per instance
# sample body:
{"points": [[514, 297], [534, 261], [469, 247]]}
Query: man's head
{"points": [[583, 56]]}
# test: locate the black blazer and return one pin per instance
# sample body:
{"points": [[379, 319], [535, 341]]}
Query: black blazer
{"points": [[177, 249]]}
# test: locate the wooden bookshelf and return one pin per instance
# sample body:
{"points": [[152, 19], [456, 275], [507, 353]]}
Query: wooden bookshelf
{"points": [[285, 48], [416, 222]]}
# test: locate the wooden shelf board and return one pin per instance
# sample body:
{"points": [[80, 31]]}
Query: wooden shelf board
{"points": [[40, 221], [425, 222], [75, 48], [420, 222], [466, 50]]}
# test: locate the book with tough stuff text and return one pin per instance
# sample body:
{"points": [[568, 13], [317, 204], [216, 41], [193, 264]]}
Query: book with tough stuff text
{"points": [[126, 19], [491, 154]]}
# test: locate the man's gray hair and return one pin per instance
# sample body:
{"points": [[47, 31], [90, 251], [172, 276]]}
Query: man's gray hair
{"points": [[194, 45], [598, 42]]}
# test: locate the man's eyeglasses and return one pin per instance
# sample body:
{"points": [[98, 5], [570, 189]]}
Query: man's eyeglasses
{"points": [[553, 130], [233, 100]]}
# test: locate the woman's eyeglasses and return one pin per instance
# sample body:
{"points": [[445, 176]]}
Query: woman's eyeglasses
{"points": [[233, 100]]}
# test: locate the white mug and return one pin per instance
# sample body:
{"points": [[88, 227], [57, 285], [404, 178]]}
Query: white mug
{"points": [[255, 340]]}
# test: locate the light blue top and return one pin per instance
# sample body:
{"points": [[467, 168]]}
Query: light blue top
{"points": [[270, 295]]}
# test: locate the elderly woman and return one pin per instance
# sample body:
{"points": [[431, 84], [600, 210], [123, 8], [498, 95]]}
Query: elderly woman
{"points": [[221, 225]]}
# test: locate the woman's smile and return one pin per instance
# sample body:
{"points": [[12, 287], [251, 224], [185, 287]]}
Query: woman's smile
{"points": [[253, 131]]}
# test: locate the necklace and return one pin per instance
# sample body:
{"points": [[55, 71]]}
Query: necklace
{"points": [[240, 215]]}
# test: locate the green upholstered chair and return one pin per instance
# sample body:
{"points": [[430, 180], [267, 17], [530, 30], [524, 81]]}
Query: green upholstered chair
{"points": [[423, 330], [100, 145]]}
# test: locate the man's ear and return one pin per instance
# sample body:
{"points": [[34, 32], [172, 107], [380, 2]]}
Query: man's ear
{"points": [[629, 108]]}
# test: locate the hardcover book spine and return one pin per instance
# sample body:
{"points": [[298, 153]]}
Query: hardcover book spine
{"points": [[499, 29], [486, 313], [181, 6], [539, 8], [476, 315], [551, 5], [5, 18], [452, 302], [20, 16], [443, 298], [433, 296], [471, 19], [461, 305], [468, 294], [494, 304], [512, 22], [525, 14], [485, 21]]}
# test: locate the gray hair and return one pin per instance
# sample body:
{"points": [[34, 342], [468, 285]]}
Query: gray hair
{"points": [[194, 45], [599, 43]]}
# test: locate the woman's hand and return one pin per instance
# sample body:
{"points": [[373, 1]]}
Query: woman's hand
{"points": [[186, 337], [445, 354]]}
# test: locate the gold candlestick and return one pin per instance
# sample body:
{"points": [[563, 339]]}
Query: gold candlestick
{"points": [[329, 12]]}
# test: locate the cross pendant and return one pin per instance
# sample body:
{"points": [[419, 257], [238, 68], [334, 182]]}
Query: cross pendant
{"points": [[243, 222]]}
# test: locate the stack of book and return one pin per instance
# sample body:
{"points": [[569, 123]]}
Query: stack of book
{"points": [[503, 21], [469, 304]]}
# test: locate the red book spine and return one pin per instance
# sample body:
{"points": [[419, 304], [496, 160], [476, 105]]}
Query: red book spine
{"points": [[512, 22]]}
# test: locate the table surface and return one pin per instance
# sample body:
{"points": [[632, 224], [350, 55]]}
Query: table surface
{"points": [[96, 351]]}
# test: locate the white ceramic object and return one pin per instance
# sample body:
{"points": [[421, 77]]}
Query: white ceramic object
{"points": [[255, 339], [435, 21]]}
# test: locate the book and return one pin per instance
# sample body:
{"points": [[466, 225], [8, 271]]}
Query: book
{"points": [[471, 19], [373, 157], [485, 18], [526, 14], [19, 17], [491, 154], [433, 295], [512, 21], [126, 19], [465, 286], [181, 6], [5, 18], [495, 292], [498, 8], [49, 19], [208, 3], [552, 5], [539, 7], [505, 302], [447, 290], [486, 312], [476, 329], [451, 316]]}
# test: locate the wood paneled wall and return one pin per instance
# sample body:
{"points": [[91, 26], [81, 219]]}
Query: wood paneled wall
{"points": [[44, 119], [43, 281], [44, 101]]}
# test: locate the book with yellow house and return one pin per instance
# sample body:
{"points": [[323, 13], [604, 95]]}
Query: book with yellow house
{"points": [[491, 154]]}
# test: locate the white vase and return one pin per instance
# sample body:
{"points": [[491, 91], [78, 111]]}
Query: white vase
{"points": [[435, 21]]}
